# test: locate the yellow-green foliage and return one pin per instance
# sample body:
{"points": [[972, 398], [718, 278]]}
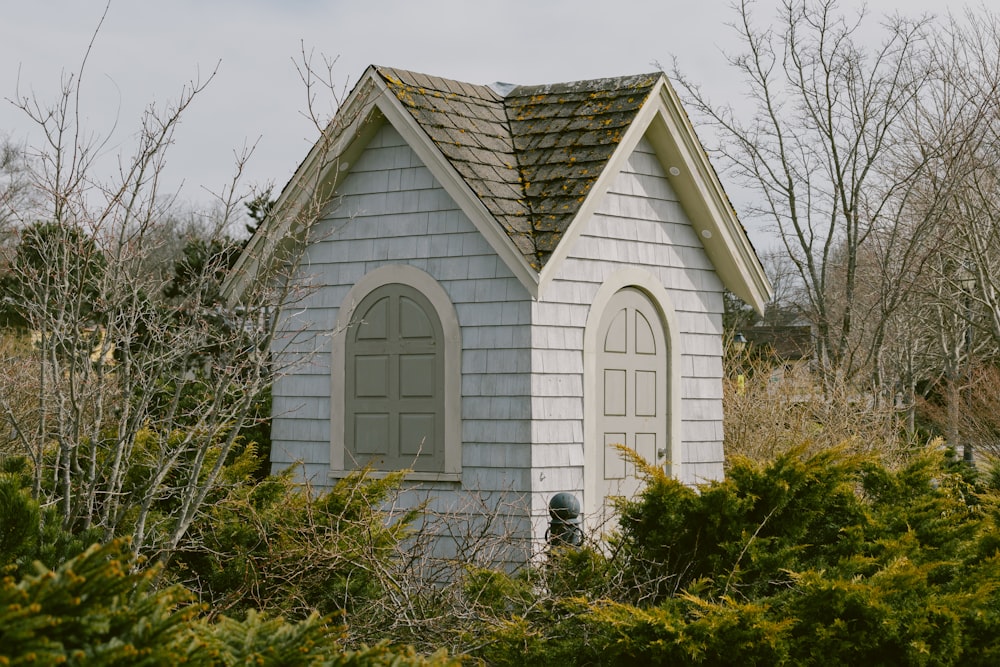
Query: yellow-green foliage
{"points": [[828, 559], [259, 640], [97, 610], [18, 523], [273, 546], [91, 611]]}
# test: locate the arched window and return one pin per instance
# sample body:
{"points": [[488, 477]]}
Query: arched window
{"points": [[394, 377], [396, 373]]}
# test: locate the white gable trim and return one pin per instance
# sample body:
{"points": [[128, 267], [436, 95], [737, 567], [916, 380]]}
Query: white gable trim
{"points": [[445, 310], [648, 283], [310, 189], [662, 119], [370, 104], [597, 193], [705, 201], [456, 187]]}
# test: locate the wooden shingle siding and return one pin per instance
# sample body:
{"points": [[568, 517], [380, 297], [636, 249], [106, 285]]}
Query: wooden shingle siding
{"points": [[391, 210], [709, 388], [701, 432], [638, 223], [301, 407]]}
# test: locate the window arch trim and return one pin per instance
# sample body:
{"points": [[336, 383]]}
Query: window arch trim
{"points": [[432, 290]]}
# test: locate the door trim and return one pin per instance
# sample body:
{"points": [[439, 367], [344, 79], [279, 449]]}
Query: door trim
{"points": [[648, 283]]}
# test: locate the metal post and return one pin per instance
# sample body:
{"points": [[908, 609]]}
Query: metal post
{"points": [[564, 521]]}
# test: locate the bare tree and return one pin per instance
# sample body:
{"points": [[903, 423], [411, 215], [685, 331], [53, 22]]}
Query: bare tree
{"points": [[953, 295], [968, 100], [826, 149], [129, 405], [17, 200]]}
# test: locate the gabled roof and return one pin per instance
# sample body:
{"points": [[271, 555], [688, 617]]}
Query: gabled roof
{"points": [[526, 166], [786, 342], [530, 156]]}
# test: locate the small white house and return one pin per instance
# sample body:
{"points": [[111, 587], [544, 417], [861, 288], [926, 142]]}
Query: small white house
{"points": [[507, 281]]}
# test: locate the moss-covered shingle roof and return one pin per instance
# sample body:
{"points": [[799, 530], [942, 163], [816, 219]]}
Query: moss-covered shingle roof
{"points": [[532, 155]]}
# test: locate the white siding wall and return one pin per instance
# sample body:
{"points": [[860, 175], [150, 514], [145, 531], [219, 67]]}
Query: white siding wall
{"points": [[393, 211], [639, 223], [522, 387]]}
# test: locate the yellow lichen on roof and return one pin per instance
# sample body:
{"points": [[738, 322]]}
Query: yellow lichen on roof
{"points": [[529, 155]]}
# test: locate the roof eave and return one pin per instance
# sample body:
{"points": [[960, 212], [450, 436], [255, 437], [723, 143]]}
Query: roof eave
{"points": [[310, 188], [705, 201], [663, 120]]}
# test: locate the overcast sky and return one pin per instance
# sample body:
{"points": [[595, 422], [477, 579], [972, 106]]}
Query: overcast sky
{"points": [[146, 51]]}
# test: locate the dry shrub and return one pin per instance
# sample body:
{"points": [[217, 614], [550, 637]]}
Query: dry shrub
{"points": [[386, 557], [770, 409], [433, 580], [978, 413], [19, 368]]}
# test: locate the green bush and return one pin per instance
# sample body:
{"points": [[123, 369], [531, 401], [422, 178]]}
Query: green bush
{"points": [[29, 533], [824, 559], [259, 640], [97, 609], [18, 523], [743, 533], [274, 547], [93, 610]]}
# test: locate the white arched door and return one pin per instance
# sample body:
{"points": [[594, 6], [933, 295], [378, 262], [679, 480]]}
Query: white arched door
{"points": [[631, 386]]}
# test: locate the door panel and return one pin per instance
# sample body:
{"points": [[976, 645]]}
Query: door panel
{"points": [[632, 389], [645, 341], [373, 376], [371, 433], [616, 336], [413, 322], [615, 383], [416, 433], [645, 393], [645, 446], [374, 324], [416, 375], [614, 464]]}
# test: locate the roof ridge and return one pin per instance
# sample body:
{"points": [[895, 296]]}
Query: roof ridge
{"points": [[536, 261], [455, 86], [623, 81], [523, 182]]}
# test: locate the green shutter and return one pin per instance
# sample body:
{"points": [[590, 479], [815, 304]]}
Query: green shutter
{"points": [[394, 402]]}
